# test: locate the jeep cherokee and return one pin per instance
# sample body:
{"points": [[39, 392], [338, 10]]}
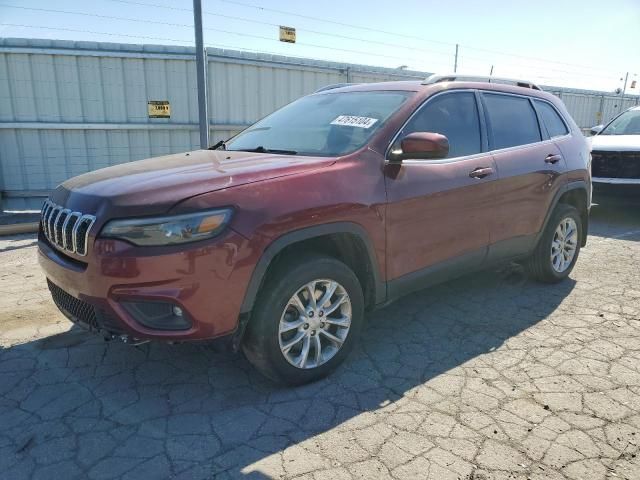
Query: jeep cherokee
{"points": [[281, 238]]}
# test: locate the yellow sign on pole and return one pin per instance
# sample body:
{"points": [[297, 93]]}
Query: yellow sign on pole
{"points": [[159, 108], [287, 34]]}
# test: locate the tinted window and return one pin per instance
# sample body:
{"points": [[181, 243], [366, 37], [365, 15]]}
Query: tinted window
{"points": [[551, 119], [512, 120], [454, 115]]}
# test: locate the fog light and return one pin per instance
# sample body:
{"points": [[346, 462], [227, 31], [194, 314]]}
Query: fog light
{"points": [[158, 315]]}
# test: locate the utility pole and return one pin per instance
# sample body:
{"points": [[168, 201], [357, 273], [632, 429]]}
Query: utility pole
{"points": [[455, 62], [201, 76], [624, 89]]}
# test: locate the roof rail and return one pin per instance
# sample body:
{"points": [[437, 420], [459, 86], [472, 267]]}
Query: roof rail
{"points": [[332, 86], [479, 78]]}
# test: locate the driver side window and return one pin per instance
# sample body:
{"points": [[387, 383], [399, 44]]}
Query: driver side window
{"points": [[454, 115]]}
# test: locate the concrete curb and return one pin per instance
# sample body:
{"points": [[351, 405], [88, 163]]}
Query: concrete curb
{"points": [[17, 228]]}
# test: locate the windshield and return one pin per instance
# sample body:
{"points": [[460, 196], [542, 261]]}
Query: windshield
{"points": [[626, 124], [330, 124]]}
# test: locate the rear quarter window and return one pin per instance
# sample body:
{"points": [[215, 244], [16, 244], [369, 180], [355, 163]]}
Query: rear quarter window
{"points": [[551, 119], [512, 121]]}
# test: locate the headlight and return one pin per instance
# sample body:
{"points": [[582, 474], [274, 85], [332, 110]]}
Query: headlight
{"points": [[169, 230]]}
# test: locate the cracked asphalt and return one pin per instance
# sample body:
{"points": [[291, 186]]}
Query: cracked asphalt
{"points": [[490, 376]]}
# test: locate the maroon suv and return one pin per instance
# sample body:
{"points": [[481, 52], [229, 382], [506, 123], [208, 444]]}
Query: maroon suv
{"points": [[283, 237]]}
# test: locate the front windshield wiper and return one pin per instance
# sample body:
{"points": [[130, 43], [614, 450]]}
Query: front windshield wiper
{"points": [[221, 143], [261, 149]]}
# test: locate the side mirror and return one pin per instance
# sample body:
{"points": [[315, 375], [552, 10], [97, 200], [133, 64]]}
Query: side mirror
{"points": [[597, 129], [421, 146]]}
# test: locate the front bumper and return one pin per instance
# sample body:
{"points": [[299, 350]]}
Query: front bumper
{"points": [[616, 181], [207, 280]]}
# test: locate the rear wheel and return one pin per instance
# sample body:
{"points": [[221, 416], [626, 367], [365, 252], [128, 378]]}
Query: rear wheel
{"points": [[306, 320], [557, 251]]}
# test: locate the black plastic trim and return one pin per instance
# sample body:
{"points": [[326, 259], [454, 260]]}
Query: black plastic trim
{"points": [[575, 185], [305, 234], [438, 273]]}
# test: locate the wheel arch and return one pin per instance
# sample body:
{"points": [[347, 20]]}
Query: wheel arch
{"points": [[349, 242], [577, 195]]}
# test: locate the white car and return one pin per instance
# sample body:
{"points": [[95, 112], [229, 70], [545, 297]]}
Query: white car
{"points": [[615, 149]]}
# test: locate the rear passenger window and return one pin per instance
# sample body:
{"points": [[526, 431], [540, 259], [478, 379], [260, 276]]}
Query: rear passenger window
{"points": [[454, 115], [554, 123], [512, 121]]}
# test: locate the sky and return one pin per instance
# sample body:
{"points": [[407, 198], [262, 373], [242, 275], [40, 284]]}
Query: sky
{"points": [[587, 44]]}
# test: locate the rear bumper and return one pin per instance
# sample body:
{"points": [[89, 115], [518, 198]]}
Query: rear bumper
{"points": [[207, 281]]}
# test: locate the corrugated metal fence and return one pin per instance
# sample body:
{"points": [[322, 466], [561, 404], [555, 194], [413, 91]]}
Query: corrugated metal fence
{"points": [[70, 107]]}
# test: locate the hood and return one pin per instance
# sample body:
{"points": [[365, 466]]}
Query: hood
{"points": [[154, 185], [615, 143]]}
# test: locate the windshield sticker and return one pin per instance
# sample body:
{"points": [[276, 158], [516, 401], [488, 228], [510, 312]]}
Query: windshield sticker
{"points": [[354, 121]]}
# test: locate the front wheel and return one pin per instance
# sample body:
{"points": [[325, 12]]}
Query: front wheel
{"points": [[306, 319], [557, 251]]}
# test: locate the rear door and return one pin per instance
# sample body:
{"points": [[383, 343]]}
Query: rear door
{"points": [[529, 166], [439, 211]]}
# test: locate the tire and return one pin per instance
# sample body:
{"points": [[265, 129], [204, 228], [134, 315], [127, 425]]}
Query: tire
{"points": [[264, 345], [540, 265]]}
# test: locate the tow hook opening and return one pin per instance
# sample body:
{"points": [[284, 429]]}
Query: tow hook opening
{"points": [[109, 336]]}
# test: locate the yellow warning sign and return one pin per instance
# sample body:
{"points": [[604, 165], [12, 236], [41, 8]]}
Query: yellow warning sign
{"points": [[159, 108], [287, 34]]}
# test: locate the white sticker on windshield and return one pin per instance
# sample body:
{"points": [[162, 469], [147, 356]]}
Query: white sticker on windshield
{"points": [[354, 121]]}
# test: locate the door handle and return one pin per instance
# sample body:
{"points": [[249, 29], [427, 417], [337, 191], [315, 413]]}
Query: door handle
{"points": [[481, 172], [553, 158]]}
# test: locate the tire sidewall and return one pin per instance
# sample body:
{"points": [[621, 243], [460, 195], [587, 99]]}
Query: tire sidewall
{"points": [[263, 336]]}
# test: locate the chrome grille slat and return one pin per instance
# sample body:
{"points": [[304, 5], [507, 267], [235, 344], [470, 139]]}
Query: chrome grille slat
{"points": [[48, 217], [45, 212], [65, 229], [60, 219], [51, 220], [68, 230]]}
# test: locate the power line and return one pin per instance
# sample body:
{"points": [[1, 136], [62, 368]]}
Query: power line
{"points": [[96, 15], [545, 69], [395, 34], [94, 32], [300, 43], [317, 32], [260, 22], [539, 59], [231, 17], [228, 32], [334, 22], [110, 17]]}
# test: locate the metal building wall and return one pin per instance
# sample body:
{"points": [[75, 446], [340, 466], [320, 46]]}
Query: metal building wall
{"points": [[69, 107], [589, 108]]}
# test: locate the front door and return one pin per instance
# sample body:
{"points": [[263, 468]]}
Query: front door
{"points": [[439, 211]]}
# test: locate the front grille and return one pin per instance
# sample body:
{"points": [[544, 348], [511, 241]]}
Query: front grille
{"points": [[79, 311], [615, 164], [74, 308], [66, 229]]}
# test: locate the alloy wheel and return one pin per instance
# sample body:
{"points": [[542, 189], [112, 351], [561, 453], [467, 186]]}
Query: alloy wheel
{"points": [[315, 323], [564, 245]]}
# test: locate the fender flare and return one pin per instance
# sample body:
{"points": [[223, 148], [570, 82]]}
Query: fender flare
{"points": [[307, 233], [575, 185]]}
